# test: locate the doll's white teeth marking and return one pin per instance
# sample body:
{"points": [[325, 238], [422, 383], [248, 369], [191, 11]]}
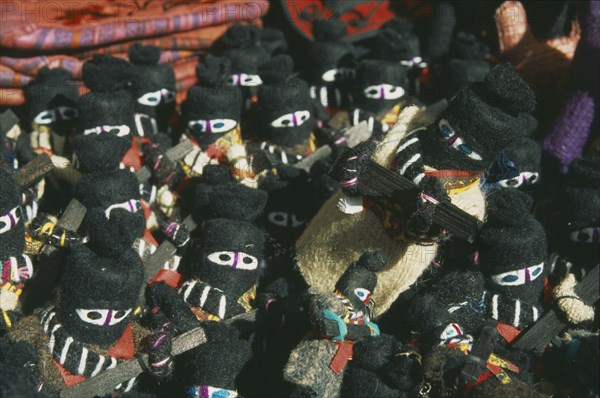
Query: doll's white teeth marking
{"points": [[8, 221]]}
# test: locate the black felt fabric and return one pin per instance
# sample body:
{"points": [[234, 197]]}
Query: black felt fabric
{"points": [[329, 51], [362, 274], [100, 153], [92, 281], [375, 72], [12, 242], [51, 88], [243, 48]]}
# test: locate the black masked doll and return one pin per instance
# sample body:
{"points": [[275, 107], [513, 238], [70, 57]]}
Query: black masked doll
{"points": [[52, 104], [285, 109], [109, 108], [316, 365], [332, 66], [90, 328], [153, 88], [211, 115]]}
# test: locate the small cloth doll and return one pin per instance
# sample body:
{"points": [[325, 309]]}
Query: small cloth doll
{"points": [[211, 115], [52, 103], [332, 65], [465, 64], [153, 87], [16, 266], [16, 148], [285, 110], [448, 155], [381, 90], [90, 329], [316, 366], [575, 234], [244, 51], [109, 107], [382, 366], [518, 166]]}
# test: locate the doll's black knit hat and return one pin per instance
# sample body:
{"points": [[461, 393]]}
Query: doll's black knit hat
{"points": [[329, 51], [580, 203], [243, 48]]}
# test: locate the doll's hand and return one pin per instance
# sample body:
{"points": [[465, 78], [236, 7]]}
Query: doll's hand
{"points": [[420, 222], [160, 361], [44, 228], [329, 315], [350, 165], [177, 234]]}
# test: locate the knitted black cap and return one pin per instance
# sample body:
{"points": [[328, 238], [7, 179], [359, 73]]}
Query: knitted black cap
{"points": [[100, 153], [51, 89]]}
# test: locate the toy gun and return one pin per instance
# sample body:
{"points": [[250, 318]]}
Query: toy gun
{"points": [[545, 330], [376, 180], [174, 154]]}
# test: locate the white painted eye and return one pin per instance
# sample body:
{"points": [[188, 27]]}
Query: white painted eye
{"points": [[235, 260], [132, 206], [362, 294], [293, 119], [168, 96], [451, 331], [535, 271], [278, 218], [45, 117], [150, 99], [296, 222], [514, 182], [222, 125], [529, 177], [332, 75], [198, 126], [120, 131], [586, 235], [384, 91], [249, 80], [8, 221], [511, 278], [102, 317], [67, 113]]}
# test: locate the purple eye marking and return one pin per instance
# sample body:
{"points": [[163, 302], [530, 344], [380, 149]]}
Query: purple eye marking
{"points": [[235, 259], [205, 392], [382, 92], [294, 119], [130, 206], [108, 318], [595, 235], [452, 139], [527, 276], [12, 219]]}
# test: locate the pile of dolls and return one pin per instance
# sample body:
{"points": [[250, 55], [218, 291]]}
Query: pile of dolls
{"points": [[385, 224]]}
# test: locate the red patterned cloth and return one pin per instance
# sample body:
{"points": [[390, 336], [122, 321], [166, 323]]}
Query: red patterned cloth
{"points": [[37, 33]]}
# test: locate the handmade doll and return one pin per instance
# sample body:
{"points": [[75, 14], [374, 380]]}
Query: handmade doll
{"points": [[382, 366], [90, 329], [211, 115], [575, 232], [153, 87], [444, 159], [332, 66], [17, 267], [109, 108], [285, 110], [52, 103], [465, 64], [12, 141], [316, 366], [245, 52], [381, 92]]}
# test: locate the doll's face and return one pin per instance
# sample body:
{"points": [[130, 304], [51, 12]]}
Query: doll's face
{"points": [[202, 127], [291, 119], [52, 127], [244, 80], [102, 317], [518, 277], [155, 98], [337, 74]]}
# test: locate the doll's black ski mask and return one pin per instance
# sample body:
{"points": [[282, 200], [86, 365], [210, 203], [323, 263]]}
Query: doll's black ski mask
{"points": [[229, 255], [212, 109], [245, 54], [52, 102], [153, 89], [285, 106], [512, 249], [114, 217], [332, 64], [380, 85], [98, 295], [108, 109], [480, 121]]}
